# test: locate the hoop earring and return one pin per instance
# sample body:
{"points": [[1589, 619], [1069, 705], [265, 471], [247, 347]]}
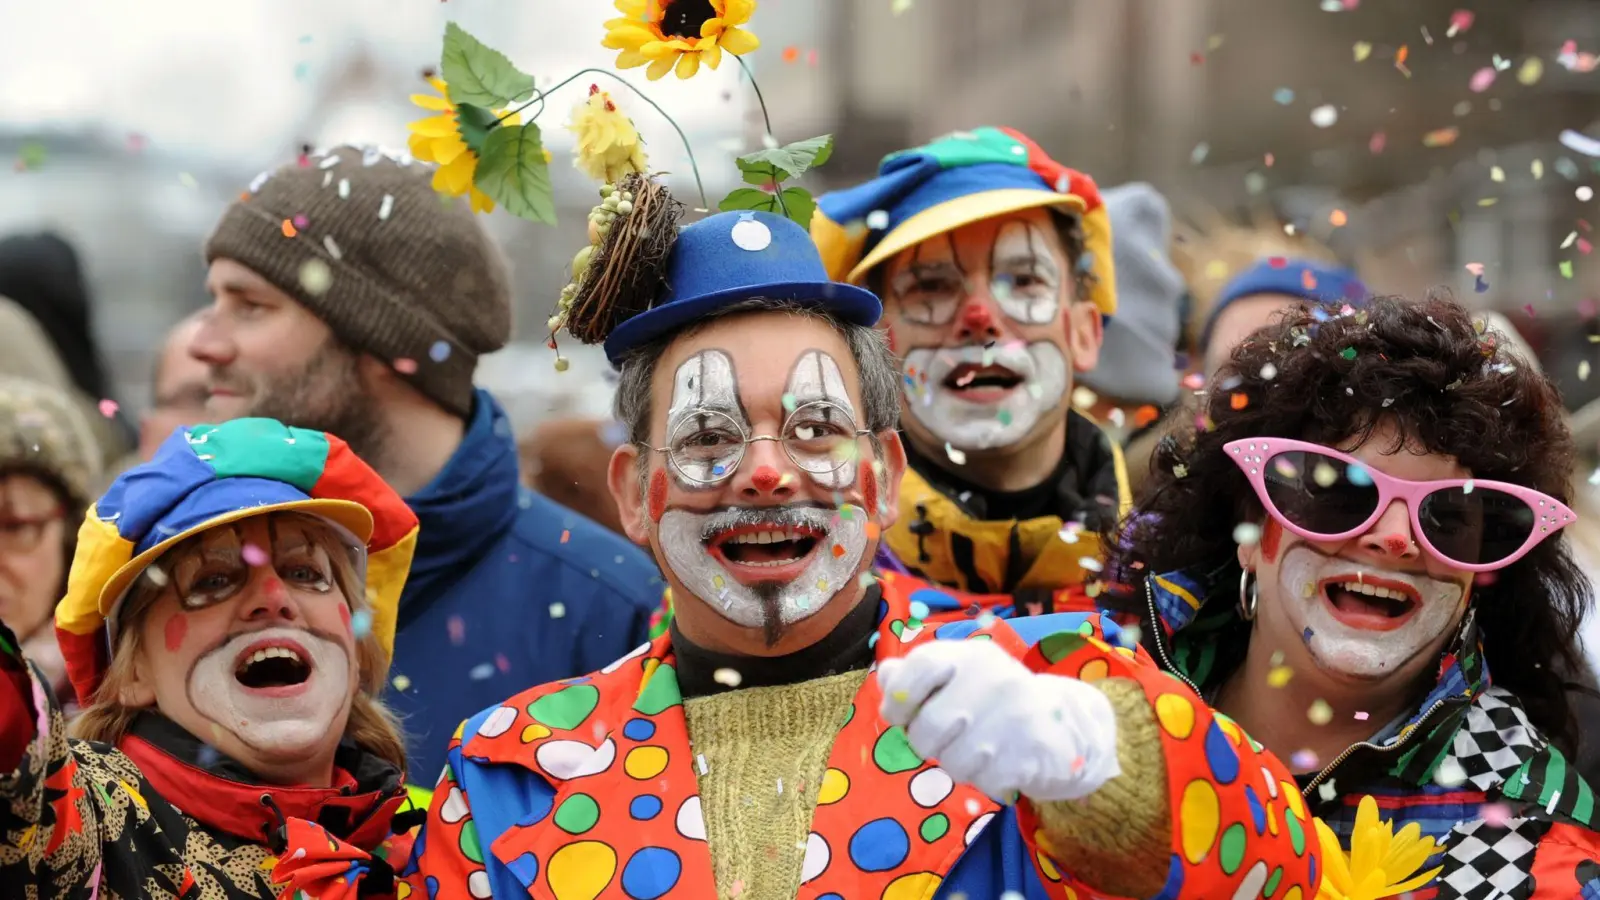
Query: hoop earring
{"points": [[1249, 595]]}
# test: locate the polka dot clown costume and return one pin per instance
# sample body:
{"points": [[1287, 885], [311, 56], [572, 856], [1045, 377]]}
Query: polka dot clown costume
{"points": [[801, 729], [995, 267], [229, 563]]}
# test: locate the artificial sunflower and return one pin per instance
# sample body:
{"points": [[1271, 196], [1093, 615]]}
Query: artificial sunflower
{"points": [[679, 34], [1380, 863], [437, 139], [608, 144]]}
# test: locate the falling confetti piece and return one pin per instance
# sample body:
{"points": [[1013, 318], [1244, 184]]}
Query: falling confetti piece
{"points": [[316, 277], [1494, 815], [187, 180], [877, 220], [288, 229], [1320, 713], [1326, 791], [558, 610], [1239, 400], [1530, 73], [1481, 80], [1565, 268], [1247, 534], [565, 535], [1279, 676], [1580, 143], [791, 53], [1449, 774], [361, 624], [440, 351], [386, 207], [900, 6], [1325, 116], [1441, 137], [1347, 353], [1303, 760], [253, 555], [1090, 564], [108, 407], [1198, 154], [1362, 50], [1337, 218], [1537, 168], [1400, 58], [1584, 193], [726, 676], [1376, 144], [400, 682], [956, 456], [1283, 96], [481, 672], [405, 366], [1583, 370], [1361, 716], [1497, 174], [1083, 398]]}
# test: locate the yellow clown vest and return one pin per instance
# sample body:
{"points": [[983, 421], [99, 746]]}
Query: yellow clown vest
{"points": [[941, 541]]}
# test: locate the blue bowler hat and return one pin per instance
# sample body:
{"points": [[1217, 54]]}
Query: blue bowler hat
{"points": [[731, 257]]}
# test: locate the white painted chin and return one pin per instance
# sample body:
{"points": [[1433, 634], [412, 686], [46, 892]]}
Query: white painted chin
{"points": [[1351, 650], [288, 722], [989, 419]]}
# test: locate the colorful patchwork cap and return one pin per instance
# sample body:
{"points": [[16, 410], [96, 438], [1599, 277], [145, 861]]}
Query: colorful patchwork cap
{"points": [[963, 178], [211, 475]]}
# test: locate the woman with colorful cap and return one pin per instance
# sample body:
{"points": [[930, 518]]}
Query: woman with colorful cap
{"points": [[227, 621], [1358, 556], [48, 460]]}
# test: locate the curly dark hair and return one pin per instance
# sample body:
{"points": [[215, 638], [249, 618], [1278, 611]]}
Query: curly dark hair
{"points": [[1319, 375]]}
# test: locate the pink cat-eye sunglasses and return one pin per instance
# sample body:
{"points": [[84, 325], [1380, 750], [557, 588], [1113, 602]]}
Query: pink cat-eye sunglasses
{"points": [[1322, 494]]}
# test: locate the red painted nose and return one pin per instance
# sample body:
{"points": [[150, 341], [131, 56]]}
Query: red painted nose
{"points": [[766, 478], [1396, 544], [977, 317]]}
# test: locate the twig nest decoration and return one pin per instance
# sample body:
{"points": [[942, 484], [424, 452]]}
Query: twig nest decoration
{"points": [[619, 275]]}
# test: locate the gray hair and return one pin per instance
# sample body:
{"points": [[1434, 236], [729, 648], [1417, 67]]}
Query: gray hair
{"points": [[880, 372]]}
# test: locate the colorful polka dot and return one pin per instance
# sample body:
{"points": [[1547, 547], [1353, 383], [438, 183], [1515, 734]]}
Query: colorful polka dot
{"points": [[639, 730], [1272, 882], [567, 708], [645, 762], [1094, 670], [1231, 853], [893, 752], [934, 827], [1198, 817], [930, 787], [581, 871], [1176, 715], [912, 887], [1297, 835], [1220, 755], [1254, 881], [577, 814], [645, 807], [660, 691], [533, 731], [690, 821], [470, 848], [1293, 893], [651, 872], [835, 784], [498, 722], [879, 845], [1046, 865], [818, 855]]}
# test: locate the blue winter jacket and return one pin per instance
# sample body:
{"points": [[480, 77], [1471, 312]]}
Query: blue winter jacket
{"points": [[508, 589]]}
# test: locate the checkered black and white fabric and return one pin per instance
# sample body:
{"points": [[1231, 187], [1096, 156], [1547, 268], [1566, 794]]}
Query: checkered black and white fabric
{"points": [[1494, 740], [1488, 862]]}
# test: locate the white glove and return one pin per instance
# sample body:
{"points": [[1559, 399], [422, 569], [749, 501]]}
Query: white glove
{"points": [[991, 723]]}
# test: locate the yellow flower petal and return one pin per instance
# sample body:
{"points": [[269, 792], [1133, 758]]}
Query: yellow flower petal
{"points": [[738, 12], [624, 35], [440, 86], [434, 126], [658, 49], [1335, 871], [738, 41], [447, 150], [635, 9], [660, 68], [1412, 884], [631, 59], [437, 104], [712, 55], [688, 64], [457, 176], [480, 201], [710, 28]]}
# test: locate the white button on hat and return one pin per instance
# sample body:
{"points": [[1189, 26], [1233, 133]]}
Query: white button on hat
{"points": [[751, 235]]}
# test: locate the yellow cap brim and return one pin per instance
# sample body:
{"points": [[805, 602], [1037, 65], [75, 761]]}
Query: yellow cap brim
{"points": [[957, 213], [349, 515]]}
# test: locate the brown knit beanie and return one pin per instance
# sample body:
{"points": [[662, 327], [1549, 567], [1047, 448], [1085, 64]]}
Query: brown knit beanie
{"points": [[397, 270]]}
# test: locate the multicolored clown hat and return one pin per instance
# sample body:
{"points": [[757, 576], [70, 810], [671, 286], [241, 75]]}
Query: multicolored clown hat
{"points": [[210, 475], [963, 178]]}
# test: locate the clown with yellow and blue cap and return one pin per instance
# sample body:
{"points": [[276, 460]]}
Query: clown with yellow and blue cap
{"points": [[227, 627], [994, 265]]}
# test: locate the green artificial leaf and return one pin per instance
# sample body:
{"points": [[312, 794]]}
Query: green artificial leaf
{"points": [[799, 205], [788, 161], [474, 123], [513, 171], [749, 198], [479, 75]]}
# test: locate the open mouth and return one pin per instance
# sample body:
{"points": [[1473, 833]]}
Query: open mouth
{"points": [[273, 666], [1375, 604], [971, 379], [765, 547]]}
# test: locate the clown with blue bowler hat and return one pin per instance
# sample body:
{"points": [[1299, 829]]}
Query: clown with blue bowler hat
{"points": [[801, 729], [995, 267]]}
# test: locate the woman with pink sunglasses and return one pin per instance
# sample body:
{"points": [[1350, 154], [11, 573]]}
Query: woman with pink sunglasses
{"points": [[1356, 554]]}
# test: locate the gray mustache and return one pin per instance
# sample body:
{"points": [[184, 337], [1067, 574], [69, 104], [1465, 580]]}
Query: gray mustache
{"points": [[776, 517]]}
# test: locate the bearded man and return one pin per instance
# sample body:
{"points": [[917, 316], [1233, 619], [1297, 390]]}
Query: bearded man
{"points": [[994, 264], [779, 739]]}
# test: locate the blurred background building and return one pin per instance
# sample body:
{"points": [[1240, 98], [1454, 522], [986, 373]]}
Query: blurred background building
{"points": [[1431, 138]]}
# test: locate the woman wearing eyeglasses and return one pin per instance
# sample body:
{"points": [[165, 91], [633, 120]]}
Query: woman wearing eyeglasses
{"points": [[1355, 554], [48, 464]]}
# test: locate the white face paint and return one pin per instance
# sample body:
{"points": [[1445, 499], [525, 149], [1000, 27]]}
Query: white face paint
{"points": [[816, 380], [705, 397], [275, 721], [941, 391], [1346, 649], [1024, 276], [841, 542]]}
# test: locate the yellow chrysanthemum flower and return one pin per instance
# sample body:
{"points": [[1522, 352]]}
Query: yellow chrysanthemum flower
{"points": [[679, 34], [437, 139], [608, 145], [1380, 863]]}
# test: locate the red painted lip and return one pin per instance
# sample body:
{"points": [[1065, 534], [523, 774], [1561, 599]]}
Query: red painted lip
{"points": [[1369, 621], [282, 690]]}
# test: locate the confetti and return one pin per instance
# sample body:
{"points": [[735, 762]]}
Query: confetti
{"points": [[558, 610], [1460, 21], [1494, 815], [1580, 143], [316, 277], [361, 623], [1584, 193], [457, 628], [1090, 564], [386, 207], [877, 220], [1279, 676], [791, 54], [1565, 268], [1327, 792], [405, 366], [1303, 760], [1449, 774], [956, 456], [1358, 476], [481, 672], [108, 407], [1530, 73], [1337, 218], [726, 676], [1362, 50], [1239, 400], [1441, 137], [1481, 80], [440, 351], [1247, 534], [1320, 713], [900, 7], [566, 535], [1083, 398], [1376, 144], [1325, 116], [400, 682], [1361, 716], [1583, 370], [1283, 96], [1199, 153], [289, 229], [253, 555], [1347, 353]]}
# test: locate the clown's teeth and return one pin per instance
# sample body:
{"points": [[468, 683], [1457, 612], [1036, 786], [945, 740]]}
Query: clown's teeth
{"points": [[1372, 590], [764, 537], [267, 653]]}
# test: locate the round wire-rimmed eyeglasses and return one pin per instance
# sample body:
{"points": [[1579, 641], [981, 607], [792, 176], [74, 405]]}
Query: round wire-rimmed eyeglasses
{"points": [[706, 446]]}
